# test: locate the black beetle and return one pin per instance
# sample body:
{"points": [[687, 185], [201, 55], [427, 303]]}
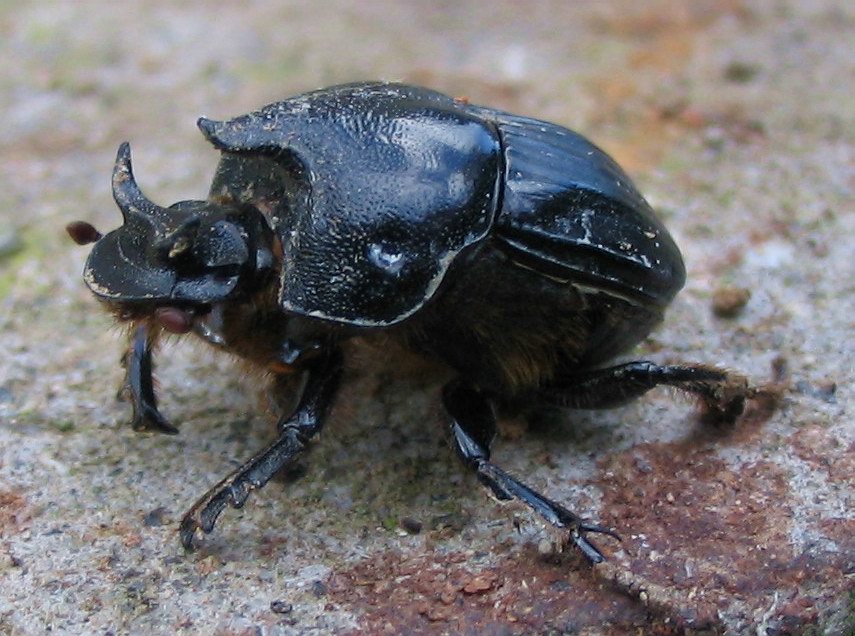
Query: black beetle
{"points": [[512, 250]]}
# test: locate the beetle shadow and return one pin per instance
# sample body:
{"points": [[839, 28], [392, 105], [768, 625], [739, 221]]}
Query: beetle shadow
{"points": [[383, 456], [672, 416], [573, 430]]}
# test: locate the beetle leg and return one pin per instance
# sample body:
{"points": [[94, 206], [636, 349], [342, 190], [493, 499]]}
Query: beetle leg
{"points": [[723, 392], [473, 425], [140, 385], [295, 431]]}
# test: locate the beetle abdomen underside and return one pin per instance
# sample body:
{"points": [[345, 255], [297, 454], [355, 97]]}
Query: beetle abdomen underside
{"points": [[510, 332]]}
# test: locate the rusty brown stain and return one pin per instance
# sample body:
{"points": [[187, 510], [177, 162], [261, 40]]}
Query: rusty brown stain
{"points": [[661, 17], [704, 539], [14, 512], [451, 593], [822, 450], [663, 37]]}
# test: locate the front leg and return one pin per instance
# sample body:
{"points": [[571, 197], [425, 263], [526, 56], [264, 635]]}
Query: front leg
{"points": [[295, 431], [140, 384], [473, 425]]}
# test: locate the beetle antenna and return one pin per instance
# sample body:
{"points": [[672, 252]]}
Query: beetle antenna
{"points": [[82, 232]]}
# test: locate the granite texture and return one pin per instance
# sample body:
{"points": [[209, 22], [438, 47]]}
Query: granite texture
{"points": [[737, 120]]}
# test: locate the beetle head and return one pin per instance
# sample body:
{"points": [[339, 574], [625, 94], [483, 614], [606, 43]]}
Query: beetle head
{"points": [[188, 255]]}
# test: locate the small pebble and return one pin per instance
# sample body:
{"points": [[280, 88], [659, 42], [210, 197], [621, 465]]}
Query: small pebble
{"points": [[155, 518], [479, 584], [319, 589], [727, 302], [740, 72], [281, 607], [410, 525]]}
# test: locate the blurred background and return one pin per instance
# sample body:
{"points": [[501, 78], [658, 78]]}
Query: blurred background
{"points": [[736, 120]]}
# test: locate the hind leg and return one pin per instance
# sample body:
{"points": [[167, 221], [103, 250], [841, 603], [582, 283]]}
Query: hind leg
{"points": [[724, 393]]}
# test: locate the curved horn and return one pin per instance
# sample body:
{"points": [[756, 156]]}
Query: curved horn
{"points": [[127, 194]]}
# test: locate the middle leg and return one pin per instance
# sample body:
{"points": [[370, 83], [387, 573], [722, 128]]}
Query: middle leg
{"points": [[473, 425]]}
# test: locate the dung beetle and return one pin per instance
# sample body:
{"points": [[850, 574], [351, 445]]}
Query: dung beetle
{"points": [[511, 250]]}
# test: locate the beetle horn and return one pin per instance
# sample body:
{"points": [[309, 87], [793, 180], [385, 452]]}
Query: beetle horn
{"points": [[127, 194]]}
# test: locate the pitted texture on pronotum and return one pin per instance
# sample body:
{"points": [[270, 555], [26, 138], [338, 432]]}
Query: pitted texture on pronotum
{"points": [[511, 250], [397, 191]]}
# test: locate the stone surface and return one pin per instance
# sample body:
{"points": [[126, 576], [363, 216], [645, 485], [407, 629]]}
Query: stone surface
{"points": [[738, 122]]}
